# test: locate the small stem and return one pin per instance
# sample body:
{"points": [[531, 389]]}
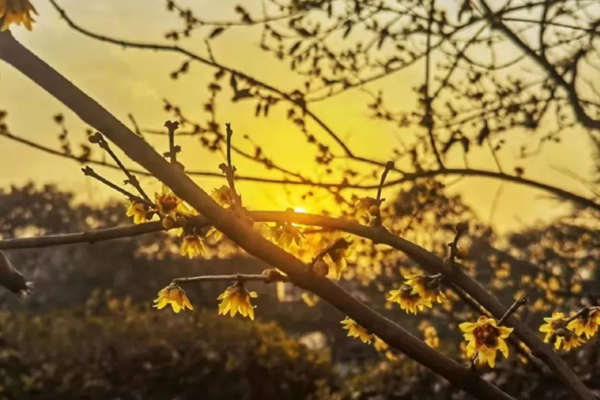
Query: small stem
{"points": [[173, 150], [267, 278], [229, 169], [461, 229], [580, 313], [340, 243], [388, 167], [229, 135], [428, 120], [515, 306], [88, 171]]}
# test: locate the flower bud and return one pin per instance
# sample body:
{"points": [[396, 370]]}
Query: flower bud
{"points": [[168, 223]]}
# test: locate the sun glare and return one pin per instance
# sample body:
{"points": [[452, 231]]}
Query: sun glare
{"points": [[299, 209]]}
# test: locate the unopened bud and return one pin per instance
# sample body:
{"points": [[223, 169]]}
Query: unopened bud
{"points": [[168, 223], [95, 138]]}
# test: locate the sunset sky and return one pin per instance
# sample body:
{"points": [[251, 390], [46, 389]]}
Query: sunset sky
{"points": [[135, 81]]}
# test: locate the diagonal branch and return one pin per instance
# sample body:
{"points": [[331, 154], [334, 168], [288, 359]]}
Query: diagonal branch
{"points": [[237, 229], [424, 258]]}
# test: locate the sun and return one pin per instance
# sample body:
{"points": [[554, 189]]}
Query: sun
{"points": [[300, 210]]}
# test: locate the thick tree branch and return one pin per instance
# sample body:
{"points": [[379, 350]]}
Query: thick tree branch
{"points": [[237, 229], [424, 258]]}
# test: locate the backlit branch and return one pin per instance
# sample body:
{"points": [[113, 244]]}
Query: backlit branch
{"points": [[234, 228]]}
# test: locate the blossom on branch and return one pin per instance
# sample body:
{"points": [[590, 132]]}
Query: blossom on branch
{"points": [[428, 287], [587, 323], [140, 212], [559, 333], [410, 302], [192, 245], [175, 296], [285, 235], [168, 203], [335, 258], [224, 196], [356, 331], [16, 12], [485, 339], [236, 298]]}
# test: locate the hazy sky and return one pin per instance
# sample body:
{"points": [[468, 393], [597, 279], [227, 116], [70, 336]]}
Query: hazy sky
{"points": [[134, 81]]}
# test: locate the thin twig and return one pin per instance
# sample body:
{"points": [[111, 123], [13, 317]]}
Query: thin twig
{"points": [[173, 150], [97, 138], [512, 309], [88, 171], [428, 120], [265, 277]]}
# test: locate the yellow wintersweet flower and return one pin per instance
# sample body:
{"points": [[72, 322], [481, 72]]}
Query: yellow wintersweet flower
{"points": [[168, 203], [411, 302], [175, 296], [586, 323], [224, 196], [356, 331], [485, 339], [335, 258], [429, 287], [139, 211], [379, 344], [285, 235], [192, 245], [557, 331], [236, 298], [16, 12]]}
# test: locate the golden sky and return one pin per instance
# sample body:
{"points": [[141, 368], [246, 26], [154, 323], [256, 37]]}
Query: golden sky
{"points": [[132, 81]]}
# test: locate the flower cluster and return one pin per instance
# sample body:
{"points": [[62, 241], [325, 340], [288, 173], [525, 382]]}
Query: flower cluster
{"points": [[587, 323], [567, 333], [410, 302], [485, 338], [418, 292]]}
